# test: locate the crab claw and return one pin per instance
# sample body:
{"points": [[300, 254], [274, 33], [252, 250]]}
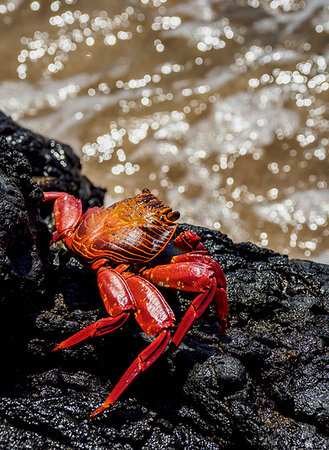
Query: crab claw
{"points": [[56, 237], [188, 241]]}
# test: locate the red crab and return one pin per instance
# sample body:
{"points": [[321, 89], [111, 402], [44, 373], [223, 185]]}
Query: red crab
{"points": [[131, 249]]}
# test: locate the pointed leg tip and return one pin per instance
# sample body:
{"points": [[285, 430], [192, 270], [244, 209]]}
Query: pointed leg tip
{"points": [[172, 348], [98, 411], [58, 347], [222, 328]]}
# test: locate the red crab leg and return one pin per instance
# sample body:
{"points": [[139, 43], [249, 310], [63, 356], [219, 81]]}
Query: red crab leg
{"points": [[221, 305], [155, 318], [67, 211], [186, 276], [118, 301], [202, 257], [220, 298], [141, 363], [191, 276], [195, 310], [52, 196], [98, 328]]}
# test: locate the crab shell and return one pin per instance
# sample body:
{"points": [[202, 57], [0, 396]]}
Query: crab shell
{"points": [[134, 230]]}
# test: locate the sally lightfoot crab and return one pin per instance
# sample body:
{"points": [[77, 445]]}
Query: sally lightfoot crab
{"points": [[130, 247]]}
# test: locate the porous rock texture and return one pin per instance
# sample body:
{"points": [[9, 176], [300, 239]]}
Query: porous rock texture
{"points": [[264, 385]]}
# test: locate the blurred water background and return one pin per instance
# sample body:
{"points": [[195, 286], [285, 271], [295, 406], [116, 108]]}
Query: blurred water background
{"points": [[219, 107]]}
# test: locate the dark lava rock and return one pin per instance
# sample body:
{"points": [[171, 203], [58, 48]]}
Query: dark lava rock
{"points": [[54, 165], [23, 237], [264, 385]]}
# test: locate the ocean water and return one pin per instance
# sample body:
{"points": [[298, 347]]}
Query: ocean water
{"points": [[219, 107]]}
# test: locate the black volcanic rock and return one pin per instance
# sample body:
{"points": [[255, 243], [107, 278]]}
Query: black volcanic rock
{"points": [[264, 385], [23, 237], [54, 165]]}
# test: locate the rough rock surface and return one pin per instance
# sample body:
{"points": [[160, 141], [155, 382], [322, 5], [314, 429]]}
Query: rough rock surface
{"points": [[265, 385], [54, 165]]}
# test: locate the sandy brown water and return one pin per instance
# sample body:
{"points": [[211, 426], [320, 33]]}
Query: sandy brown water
{"points": [[219, 107]]}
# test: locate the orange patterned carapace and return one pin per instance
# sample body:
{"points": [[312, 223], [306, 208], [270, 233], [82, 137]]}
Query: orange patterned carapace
{"points": [[133, 230]]}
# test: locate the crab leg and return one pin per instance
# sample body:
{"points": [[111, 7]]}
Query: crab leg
{"points": [[187, 276], [102, 326], [155, 318], [195, 272], [195, 310], [141, 363], [190, 242], [202, 257], [67, 212], [118, 301], [220, 298], [221, 305]]}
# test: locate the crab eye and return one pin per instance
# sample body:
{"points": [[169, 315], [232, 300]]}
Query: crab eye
{"points": [[173, 215]]}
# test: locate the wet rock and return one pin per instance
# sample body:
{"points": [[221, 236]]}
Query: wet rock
{"points": [[54, 165], [264, 385], [23, 236]]}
